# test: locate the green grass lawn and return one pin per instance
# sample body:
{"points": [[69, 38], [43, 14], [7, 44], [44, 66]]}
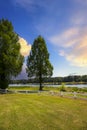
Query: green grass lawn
{"points": [[32, 88], [41, 112], [49, 90]]}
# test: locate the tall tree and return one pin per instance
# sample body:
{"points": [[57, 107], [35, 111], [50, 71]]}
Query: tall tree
{"points": [[38, 64], [10, 58]]}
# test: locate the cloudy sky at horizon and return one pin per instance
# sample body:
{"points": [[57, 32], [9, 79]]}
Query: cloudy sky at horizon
{"points": [[62, 23]]}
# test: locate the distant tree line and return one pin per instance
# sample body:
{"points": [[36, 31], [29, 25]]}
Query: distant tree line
{"points": [[76, 79]]}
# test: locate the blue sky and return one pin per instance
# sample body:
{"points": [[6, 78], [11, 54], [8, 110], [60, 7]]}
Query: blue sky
{"points": [[62, 23]]}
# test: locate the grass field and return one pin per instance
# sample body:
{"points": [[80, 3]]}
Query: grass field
{"points": [[41, 112], [55, 90]]}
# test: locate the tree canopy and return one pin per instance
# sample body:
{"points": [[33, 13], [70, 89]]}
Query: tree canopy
{"points": [[38, 64], [10, 58]]}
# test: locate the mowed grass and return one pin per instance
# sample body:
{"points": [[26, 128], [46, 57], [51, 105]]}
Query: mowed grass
{"points": [[42, 112]]}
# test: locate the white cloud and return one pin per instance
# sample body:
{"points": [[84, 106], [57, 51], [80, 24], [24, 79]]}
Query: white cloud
{"points": [[78, 55], [78, 17], [74, 46], [77, 58], [31, 5], [26, 4], [81, 2], [71, 43], [23, 74], [25, 47], [65, 39], [79, 14]]}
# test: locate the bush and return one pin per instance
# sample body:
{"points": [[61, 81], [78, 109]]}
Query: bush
{"points": [[75, 89], [62, 87]]}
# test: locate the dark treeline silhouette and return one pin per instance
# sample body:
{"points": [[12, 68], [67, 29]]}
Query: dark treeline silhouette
{"points": [[75, 79]]}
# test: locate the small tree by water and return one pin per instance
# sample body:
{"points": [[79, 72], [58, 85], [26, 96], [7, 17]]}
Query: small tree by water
{"points": [[38, 64], [62, 87]]}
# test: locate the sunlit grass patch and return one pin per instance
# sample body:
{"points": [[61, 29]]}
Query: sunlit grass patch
{"points": [[41, 112]]}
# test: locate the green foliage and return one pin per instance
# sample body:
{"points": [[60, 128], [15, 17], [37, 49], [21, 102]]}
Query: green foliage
{"points": [[83, 89], [10, 58], [75, 89], [38, 64], [62, 87]]}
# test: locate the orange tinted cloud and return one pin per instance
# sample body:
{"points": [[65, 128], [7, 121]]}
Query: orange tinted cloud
{"points": [[65, 39], [25, 47], [73, 43]]}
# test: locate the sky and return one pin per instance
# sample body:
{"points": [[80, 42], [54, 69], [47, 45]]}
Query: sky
{"points": [[63, 25]]}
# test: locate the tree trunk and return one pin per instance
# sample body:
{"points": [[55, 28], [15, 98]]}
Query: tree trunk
{"points": [[40, 86], [40, 81], [3, 82]]}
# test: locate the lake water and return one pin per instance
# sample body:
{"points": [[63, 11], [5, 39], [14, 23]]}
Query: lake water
{"points": [[37, 85]]}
